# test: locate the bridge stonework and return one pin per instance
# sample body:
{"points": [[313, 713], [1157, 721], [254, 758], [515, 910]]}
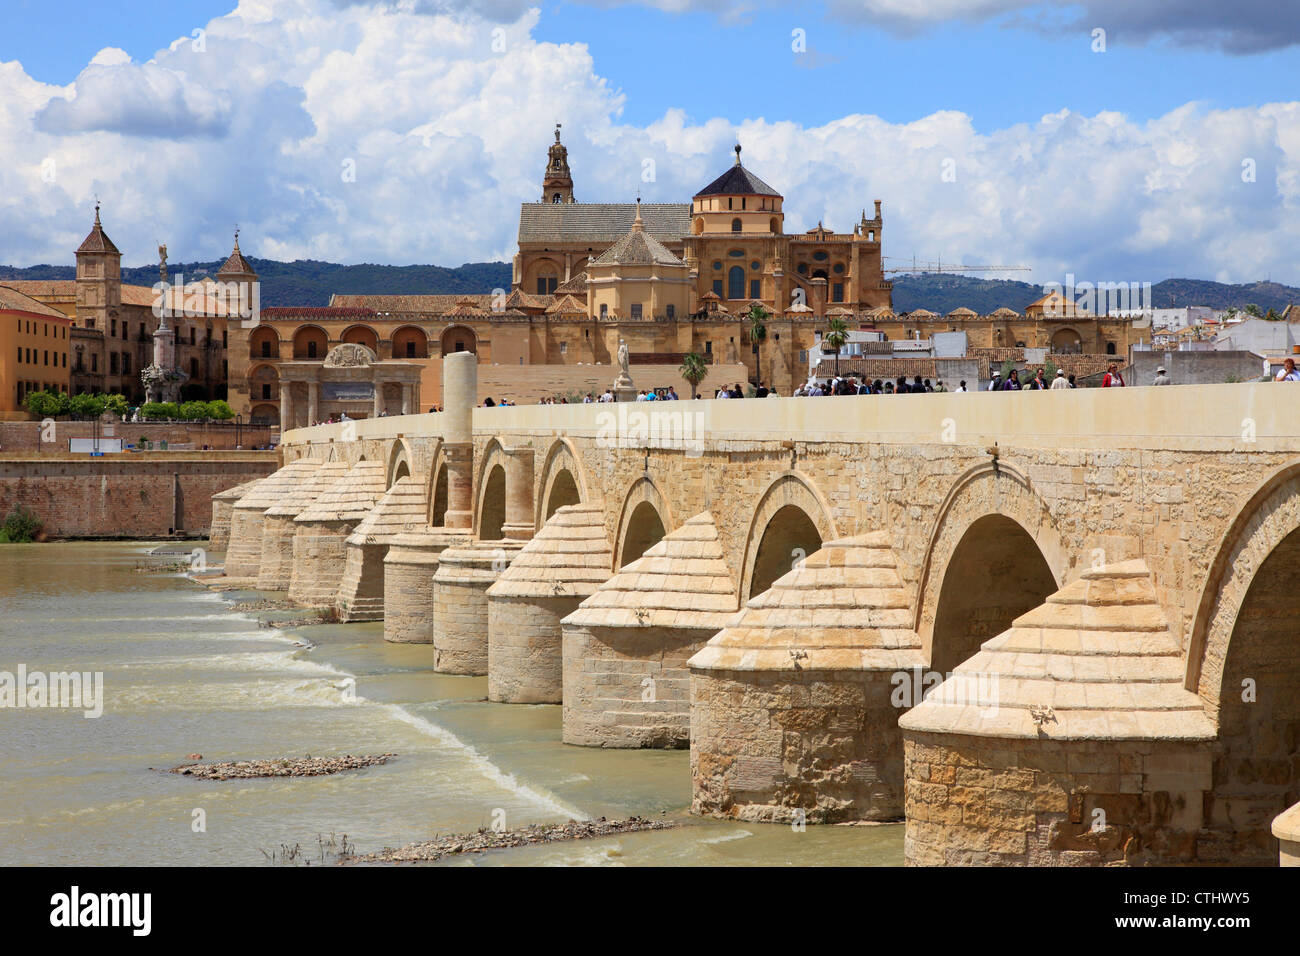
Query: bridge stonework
{"points": [[957, 518]]}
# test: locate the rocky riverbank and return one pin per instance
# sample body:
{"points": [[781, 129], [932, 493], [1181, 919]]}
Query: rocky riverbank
{"points": [[485, 839], [283, 767]]}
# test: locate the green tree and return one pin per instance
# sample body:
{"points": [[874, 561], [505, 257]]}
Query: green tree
{"points": [[220, 410], [117, 404], [1049, 372], [694, 370], [836, 337], [160, 410], [46, 404], [1254, 310], [86, 405], [757, 316], [1272, 316], [193, 411]]}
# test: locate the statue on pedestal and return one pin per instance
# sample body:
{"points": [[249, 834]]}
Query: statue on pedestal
{"points": [[624, 391]]}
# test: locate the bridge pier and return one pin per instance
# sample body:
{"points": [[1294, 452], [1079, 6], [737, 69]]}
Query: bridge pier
{"points": [[222, 504], [1068, 740], [626, 683], [795, 704], [1287, 830], [460, 604], [247, 518], [409, 567], [547, 580], [321, 531], [276, 569], [361, 591]]}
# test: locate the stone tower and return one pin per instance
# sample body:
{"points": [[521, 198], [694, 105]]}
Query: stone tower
{"points": [[99, 279], [240, 277], [557, 184]]}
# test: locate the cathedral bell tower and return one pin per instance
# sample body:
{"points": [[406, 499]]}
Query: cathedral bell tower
{"points": [[557, 184]]}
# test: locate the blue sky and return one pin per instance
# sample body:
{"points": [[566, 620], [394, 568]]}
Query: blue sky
{"points": [[994, 71], [1174, 152]]}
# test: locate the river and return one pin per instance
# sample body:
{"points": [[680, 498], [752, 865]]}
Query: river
{"points": [[185, 674]]}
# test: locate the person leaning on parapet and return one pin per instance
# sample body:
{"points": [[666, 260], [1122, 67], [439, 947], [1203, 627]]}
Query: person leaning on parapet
{"points": [[1112, 378], [1162, 377], [961, 386], [1288, 372], [1060, 381], [1012, 384], [995, 382]]}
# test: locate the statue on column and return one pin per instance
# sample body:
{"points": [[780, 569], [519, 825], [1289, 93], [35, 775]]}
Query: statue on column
{"points": [[162, 378]]}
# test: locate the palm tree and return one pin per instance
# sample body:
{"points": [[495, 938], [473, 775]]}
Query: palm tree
{"points": [[757, 316], [1254, 310], [836, 337], [1272, 315], [694, 370]]}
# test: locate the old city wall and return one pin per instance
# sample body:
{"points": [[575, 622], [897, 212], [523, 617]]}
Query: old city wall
{"points": [[34, 436], [138, 495]]}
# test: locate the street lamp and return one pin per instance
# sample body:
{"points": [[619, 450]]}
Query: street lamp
{"points": [[239, 421]]}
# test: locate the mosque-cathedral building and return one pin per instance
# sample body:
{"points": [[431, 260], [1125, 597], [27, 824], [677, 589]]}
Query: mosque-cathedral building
{"points": [[666, 278]]}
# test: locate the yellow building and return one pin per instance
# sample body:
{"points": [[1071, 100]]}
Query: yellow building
{"points": [[666, 279], [114, 323], [34, 344]]}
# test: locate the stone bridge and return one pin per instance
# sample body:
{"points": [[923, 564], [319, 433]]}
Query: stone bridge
{"points": [[1092, 590]]}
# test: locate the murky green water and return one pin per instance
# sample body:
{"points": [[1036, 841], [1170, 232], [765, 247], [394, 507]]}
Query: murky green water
{"points": [[182, 675]]}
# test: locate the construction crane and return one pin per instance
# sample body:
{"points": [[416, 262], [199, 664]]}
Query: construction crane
{"points": [[940, 267]]}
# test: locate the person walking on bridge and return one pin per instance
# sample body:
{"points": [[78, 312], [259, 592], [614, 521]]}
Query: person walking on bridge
{"points": [[1112, 378], [1162, 377], [1060, 381]]}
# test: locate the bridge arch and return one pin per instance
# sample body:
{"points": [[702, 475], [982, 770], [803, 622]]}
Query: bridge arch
{"points": [[563, 481], [436, 497], [1244, 662], [995, 553], [490, 513], [399, 462], [791, 520], [643, 521]]}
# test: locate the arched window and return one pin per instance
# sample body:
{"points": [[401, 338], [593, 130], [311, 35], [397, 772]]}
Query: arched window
{"points": [[736, 282], [555, 198], [1110, 348], [735, 225]]}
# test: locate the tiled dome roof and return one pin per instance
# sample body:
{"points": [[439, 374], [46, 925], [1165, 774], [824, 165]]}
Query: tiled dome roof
{"points": [[351, 497]]}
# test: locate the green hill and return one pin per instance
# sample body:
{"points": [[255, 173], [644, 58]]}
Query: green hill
{"points": [[311, 283]]}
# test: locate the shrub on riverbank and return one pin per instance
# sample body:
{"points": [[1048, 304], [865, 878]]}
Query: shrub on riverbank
{"points": [[187, 411], [21, 526], [50, 404]]}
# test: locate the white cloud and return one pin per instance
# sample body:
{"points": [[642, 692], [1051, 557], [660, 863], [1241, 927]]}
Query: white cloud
{"points": [[445, 119]]}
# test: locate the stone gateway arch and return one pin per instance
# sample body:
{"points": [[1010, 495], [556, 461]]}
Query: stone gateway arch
{"points": [[1043, 628]]}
